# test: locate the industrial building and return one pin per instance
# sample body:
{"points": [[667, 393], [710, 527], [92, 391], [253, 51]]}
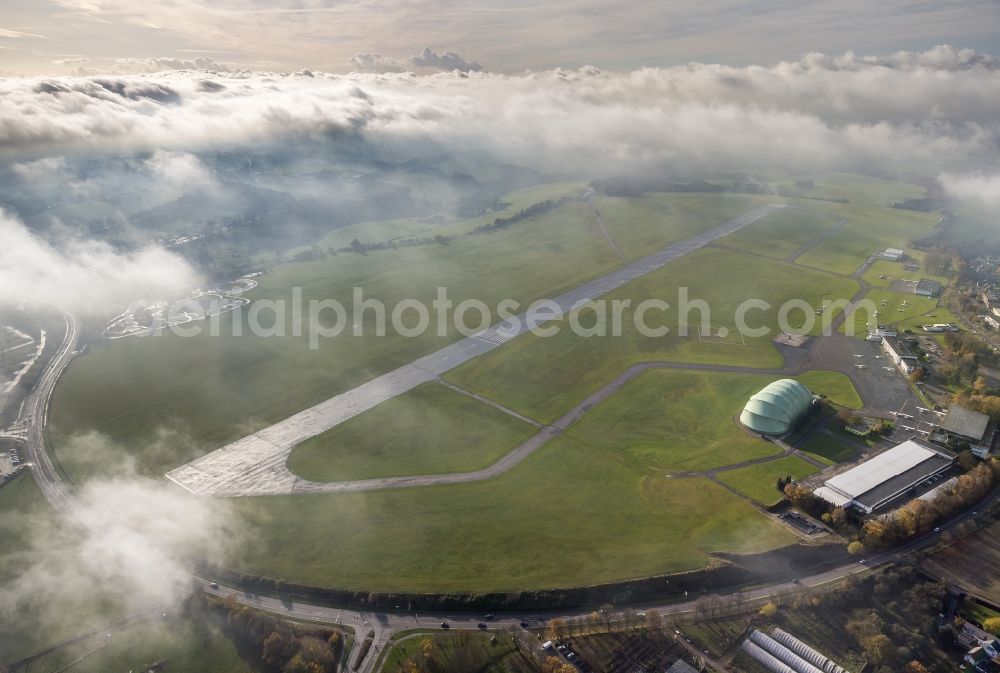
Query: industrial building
{"points": [[777, 407], [966, 426], [889, 476], [781, 652], [892, 254]]}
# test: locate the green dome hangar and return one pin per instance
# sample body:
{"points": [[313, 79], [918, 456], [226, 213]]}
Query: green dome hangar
{"points": [[777, 408]]}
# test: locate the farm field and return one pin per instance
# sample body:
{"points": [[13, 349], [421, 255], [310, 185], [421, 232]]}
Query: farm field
{"points": [[971, 563], [543, 377], [429, 430], [607, 520], [760, 481]]}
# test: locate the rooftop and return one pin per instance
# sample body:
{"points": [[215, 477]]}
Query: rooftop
{"points": [[929, 286], [899, 346], [966, 422], [896, 461]]}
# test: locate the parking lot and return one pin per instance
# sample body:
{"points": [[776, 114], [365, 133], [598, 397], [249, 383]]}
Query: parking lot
{"points": [[10, 461], [882, 385]]}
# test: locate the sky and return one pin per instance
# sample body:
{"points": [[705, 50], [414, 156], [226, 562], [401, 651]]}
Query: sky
{"points": [[507, 36]]}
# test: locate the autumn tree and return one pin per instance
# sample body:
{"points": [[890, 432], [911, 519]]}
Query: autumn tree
{"points": [[992, 624], [768, 610], [915, 667]]}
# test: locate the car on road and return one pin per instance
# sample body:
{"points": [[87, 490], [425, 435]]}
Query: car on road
{"points": [[445, 625], [482, 625], [213, 585], [490, 618], [524, 625], [937, 530], [863, 561]]}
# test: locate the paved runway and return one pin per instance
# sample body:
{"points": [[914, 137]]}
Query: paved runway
{"points": [[255, 465]]}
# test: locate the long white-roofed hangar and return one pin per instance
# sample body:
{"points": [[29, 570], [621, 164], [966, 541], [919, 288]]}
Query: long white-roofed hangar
{"points": [[889, 476]]}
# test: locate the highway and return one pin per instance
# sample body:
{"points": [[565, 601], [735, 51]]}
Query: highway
{"points": [[34, 416]]}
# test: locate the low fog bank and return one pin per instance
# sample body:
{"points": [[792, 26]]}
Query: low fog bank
{"points": [[128, 547]]}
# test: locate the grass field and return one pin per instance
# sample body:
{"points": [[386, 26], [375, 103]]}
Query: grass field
{"points": [[462, 650], [211, 390], [641, 226], [835, 386], [543, 377], [593, 505], [857, 189], [891, 310], [783, 233], [184, 644], [831, 449], [568, 515], [894, 271], [429, 430], [868, 230], [667, 420], [31, 535], [760, 481]]}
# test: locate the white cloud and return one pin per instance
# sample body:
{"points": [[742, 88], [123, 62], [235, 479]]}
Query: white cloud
{"points": [[445, 61], [86, 277], [178, 169], [983, 189], [930, 111]]}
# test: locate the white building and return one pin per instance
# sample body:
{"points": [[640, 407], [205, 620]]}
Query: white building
{"points": [[900, 354], [892, 254], [888, 476]]}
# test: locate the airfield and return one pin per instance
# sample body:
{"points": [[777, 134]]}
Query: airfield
{"points": [[511, 461]]}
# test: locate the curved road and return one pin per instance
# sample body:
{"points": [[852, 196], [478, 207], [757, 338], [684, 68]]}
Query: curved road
{"points": [[34, 415]]}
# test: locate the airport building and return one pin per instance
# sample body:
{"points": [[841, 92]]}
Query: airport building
{"points": [[889, 476], [966, 426], [927, 288], [900, 354], [777, 407]]}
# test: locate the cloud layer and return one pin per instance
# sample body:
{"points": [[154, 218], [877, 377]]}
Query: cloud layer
{"points": [[930, 111], [84, 276]]}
